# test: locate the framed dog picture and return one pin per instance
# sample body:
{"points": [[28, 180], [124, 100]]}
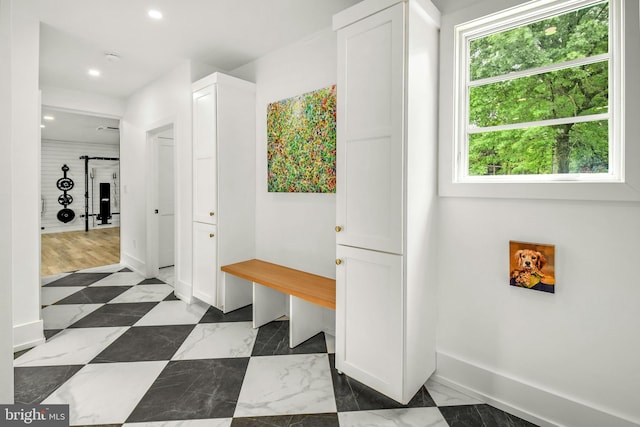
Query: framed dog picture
{"points": [[532, 266]]}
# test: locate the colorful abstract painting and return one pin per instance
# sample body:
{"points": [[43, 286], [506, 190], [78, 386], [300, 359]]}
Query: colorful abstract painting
{"points": [[301, 143]]}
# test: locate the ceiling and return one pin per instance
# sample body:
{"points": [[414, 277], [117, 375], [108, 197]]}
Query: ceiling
{"points": [[76, 35], [72, 127]]}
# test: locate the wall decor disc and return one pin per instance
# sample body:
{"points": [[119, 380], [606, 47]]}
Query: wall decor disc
{"points": [[65, 199], [65, 215], [64, 184]]}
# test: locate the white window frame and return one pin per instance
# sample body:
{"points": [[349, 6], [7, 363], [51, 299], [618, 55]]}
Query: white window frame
{"points": [[516, 17]]}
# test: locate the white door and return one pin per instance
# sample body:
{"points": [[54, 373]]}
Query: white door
{"points": [[204, 155], [166, 202], [369, 313], [370, 132], [205, 262]]}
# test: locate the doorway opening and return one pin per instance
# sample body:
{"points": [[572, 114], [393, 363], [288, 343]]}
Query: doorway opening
{"points": [[161, 202], [80, 195]]}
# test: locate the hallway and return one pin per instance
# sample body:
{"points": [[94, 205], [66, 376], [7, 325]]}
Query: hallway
{"points": [[122, 350]]}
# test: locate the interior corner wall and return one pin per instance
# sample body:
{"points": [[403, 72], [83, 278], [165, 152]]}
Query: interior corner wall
{"points": [[293, 229], [570, 358], [6, 321], [25, 184], [166, 99]]}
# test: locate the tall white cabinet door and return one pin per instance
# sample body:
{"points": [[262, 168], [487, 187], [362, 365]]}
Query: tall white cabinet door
{"points": [[370, 132], [205, 262], [204, 155], [369, 347]]}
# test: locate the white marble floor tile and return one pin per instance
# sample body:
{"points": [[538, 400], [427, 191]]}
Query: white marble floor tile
{"points": [[105, 393], [62, 316], [214, 422], [446, 396], [173, 313], [331, 343], [144, 293], [48, 279], [120, 279], [112, 268], [218, 341], [409, 417], [54, 294], [285, 385], [71, 347], [167, 274]]}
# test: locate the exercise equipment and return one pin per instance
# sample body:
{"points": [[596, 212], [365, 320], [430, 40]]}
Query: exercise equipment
{"points": [[102, 216], [65, 184]]}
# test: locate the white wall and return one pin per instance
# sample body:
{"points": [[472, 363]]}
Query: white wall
{"points": [[57, 153], [6, 321], [82, 102], [25, 161], [166, 100], [570, 357], [293, 229]]}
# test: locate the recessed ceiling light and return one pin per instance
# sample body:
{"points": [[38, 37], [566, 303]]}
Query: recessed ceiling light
{"points": [[155, 14], [42, 126], [95, 73], [49, 118]]}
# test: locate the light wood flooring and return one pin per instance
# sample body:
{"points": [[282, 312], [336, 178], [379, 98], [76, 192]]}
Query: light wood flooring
{"points": [[76, 250]]}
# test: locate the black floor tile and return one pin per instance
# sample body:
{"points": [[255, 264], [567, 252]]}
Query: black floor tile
{"points": [[145, 343], [480, 415], [307, 420], [125, 270], [352, 395], [171, 297], [79, 279], [48, 333], [153, 281], [94, 295], [193, 389], [33, 384], [213, 315], [115, 315], [273, 340]]}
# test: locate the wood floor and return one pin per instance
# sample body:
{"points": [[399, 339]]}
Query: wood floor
{"points": [[76, 250]]}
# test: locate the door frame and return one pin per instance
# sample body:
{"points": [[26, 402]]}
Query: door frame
{"points": [[152, 198]]}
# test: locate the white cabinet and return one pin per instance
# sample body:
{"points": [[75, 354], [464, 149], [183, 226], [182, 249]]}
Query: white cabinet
{"points": [[386, 193], [204, 155], [223, 185], [205, 248]]}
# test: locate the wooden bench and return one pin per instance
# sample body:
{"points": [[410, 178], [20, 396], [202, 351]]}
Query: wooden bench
{"points": [[308, 294]]}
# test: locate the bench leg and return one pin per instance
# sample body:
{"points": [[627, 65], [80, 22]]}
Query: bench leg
{"points": [[305, 320], [268, 305], [237, 293]]}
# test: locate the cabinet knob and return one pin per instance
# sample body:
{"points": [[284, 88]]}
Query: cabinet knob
{"points": [[338, 261], [338, 229], [212, 235], [211, 214]]}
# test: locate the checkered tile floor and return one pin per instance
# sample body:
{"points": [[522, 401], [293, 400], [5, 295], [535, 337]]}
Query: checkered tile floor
{"points": [[122, 350]]}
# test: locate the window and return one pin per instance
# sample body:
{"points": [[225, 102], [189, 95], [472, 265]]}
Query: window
{"points": [[539, 94]]}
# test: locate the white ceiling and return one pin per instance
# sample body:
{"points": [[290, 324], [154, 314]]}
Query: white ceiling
{"points": [[77, 34], [72, 127]]}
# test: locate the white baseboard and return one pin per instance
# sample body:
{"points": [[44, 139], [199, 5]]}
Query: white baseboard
{"points": [[28, 335], [183, 291], [134, 264], [534, 404]]}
